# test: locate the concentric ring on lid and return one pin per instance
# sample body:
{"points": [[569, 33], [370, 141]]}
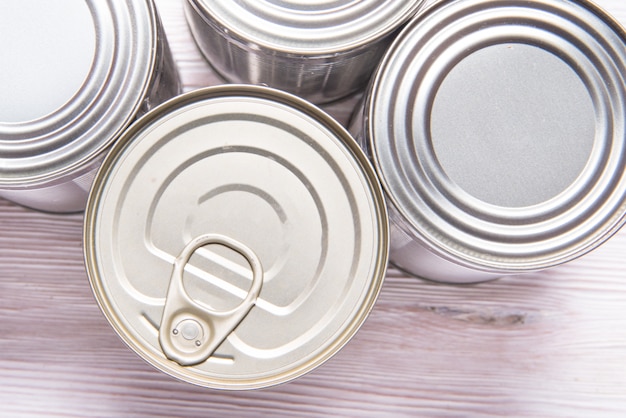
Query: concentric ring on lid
{"points": [[272, 174], [497, 129], [310, 26], [73, 75]]}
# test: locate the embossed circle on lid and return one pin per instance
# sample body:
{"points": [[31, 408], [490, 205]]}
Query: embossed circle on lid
{"points": [[265, 170], [73, 75], [497, 129], [310, 26]]}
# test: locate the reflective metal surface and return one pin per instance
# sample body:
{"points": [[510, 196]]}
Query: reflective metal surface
{"points": [[497, 129], [318, 50], [73, 75], [241, 217]]}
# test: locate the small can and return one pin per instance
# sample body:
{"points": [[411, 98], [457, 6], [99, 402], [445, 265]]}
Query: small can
{"points": [[73, 75], [236, 237], [321, 51], [497, 130]]}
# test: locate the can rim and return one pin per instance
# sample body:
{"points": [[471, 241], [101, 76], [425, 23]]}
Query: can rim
{"points": [[348, 46]]}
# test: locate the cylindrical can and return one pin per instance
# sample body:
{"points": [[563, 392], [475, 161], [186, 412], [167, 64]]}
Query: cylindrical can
{"points": [[321, 51], [236, 237], [497, 131], [73, 75]]}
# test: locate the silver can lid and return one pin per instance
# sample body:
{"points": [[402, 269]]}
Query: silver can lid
{"points": [[311, 26], [236, 237], [497, 129], [72, 75]]}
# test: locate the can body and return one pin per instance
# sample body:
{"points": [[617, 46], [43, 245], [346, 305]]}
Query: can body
{"points": [[317, 59], [499, 136], [236, 237], [102, 65]]}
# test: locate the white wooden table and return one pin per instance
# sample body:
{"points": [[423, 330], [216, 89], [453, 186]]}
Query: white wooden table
{"points": [[549, 344]]}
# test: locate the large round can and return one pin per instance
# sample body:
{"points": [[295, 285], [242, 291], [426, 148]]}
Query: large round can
{"points": [[497, 130], [321, 51], [236, 237], [73, 75]]}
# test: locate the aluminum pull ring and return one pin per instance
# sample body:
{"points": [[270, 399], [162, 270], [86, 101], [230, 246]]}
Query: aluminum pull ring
{"points": [[190, 333]]}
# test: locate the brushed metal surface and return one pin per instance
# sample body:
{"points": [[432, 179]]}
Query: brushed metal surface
{"points": [[321, 51], [73, 75], [498, 133]]}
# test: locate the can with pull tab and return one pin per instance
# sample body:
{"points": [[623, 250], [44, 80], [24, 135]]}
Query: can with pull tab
{"points": [[236, 237]]}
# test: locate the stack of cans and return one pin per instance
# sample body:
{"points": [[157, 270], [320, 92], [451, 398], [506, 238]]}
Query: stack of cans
{"points": [[237, 236]]}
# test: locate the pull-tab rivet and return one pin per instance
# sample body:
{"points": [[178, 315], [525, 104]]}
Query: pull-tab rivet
{"points": [[190, 329], [202, 329]]}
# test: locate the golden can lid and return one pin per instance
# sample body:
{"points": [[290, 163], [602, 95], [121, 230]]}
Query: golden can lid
{"points": [[236, 237]]}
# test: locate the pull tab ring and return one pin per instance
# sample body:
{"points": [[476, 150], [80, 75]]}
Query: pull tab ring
{"points": [[190, 333]]}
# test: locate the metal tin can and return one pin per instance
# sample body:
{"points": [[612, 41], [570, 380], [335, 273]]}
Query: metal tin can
{"points": [[497, 130], [73, 75], [236, 237], [321, 51]]}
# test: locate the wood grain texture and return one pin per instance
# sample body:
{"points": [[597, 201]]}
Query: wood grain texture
{"points": [[550, 344]]}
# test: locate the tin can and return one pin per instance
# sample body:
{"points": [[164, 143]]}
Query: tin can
{"points": [[73, 75], [236, 237], [321, 51], [497, 130]]}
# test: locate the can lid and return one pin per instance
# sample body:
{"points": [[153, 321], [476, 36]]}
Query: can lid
{"points": [[497, 129], [311, 26], [236, 237], [72, 75]]}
